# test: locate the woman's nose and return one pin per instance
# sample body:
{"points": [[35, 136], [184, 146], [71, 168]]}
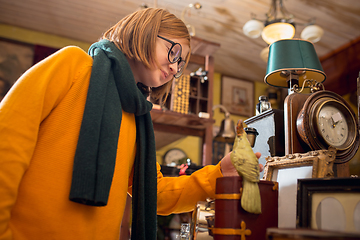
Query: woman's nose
{"points": [[173, 68]]}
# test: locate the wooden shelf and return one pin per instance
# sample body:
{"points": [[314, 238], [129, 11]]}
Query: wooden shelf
{"points": [[191, 121], [170, 126]]}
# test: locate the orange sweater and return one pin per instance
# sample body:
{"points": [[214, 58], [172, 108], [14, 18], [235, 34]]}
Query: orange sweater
{"points": [[40, 120]]}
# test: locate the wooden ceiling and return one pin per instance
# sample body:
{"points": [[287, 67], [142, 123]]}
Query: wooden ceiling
{"points": [[218, 21]]}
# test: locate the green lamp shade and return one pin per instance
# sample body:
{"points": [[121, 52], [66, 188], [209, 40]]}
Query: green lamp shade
{"points": [[293, 55]]}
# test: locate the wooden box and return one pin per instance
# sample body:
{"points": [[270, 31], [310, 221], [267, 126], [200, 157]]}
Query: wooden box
{"points": [[232, 222]]}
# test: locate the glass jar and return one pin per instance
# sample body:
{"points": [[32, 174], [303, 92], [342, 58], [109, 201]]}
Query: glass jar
{"points": [[263, 105]]}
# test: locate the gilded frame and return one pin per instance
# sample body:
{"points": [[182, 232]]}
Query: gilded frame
{"points": [[322, 162]]}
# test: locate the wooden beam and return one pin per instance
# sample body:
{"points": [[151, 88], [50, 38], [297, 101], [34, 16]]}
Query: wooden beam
{"points": [[342, 67]]}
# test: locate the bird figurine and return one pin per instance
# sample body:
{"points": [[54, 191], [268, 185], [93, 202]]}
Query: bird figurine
{"points": [[247, 165]]}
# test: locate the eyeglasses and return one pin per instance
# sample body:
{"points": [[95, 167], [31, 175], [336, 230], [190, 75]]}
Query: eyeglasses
{"points": [[174, 55]]}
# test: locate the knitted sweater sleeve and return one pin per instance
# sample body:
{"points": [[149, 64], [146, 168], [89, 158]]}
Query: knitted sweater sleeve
{"points": [[22, 111], [180, 194]]}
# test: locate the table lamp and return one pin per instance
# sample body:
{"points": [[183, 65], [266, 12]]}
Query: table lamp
{"points": [[291, 62]]}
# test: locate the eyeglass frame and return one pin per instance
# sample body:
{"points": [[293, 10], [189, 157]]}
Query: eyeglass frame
{"points": [[179, 60]]}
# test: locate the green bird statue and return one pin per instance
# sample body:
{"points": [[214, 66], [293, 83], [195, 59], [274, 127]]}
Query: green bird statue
{"points": [[247, 165]]}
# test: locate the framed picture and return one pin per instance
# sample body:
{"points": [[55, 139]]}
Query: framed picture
{"points": [[237, 96], [17, 57], [329, 204], [288, 169], [315, 164]]}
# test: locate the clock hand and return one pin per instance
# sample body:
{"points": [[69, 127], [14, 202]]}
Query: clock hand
{"points": [[333, 122]]}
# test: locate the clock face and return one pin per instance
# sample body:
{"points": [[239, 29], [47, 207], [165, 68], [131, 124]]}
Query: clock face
{"points": [[173, 156], [332, 126]]}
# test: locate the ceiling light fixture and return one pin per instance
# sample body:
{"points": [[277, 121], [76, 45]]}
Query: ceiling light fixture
{"points": [[190, 27], [280, 24]]}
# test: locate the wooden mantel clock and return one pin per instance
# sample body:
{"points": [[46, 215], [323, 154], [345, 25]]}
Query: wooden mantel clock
{"points": [[327, 120], [314, 121]]}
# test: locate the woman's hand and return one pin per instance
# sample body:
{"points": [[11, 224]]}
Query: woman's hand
{"points": [[227, 168]]}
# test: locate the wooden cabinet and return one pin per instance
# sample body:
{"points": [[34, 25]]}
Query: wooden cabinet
{"points": [[170, 126], [199, 95]]}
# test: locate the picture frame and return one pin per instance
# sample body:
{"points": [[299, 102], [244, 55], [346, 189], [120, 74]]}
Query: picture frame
{"points": [[320, 161], [288, 169], [15, 58], [329, 204], [237, 96]]}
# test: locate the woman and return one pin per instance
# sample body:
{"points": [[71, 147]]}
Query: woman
{"points": [[77, 137]]}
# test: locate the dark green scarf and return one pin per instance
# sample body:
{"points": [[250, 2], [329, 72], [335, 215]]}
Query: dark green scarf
{"points": [[113, 88]]}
